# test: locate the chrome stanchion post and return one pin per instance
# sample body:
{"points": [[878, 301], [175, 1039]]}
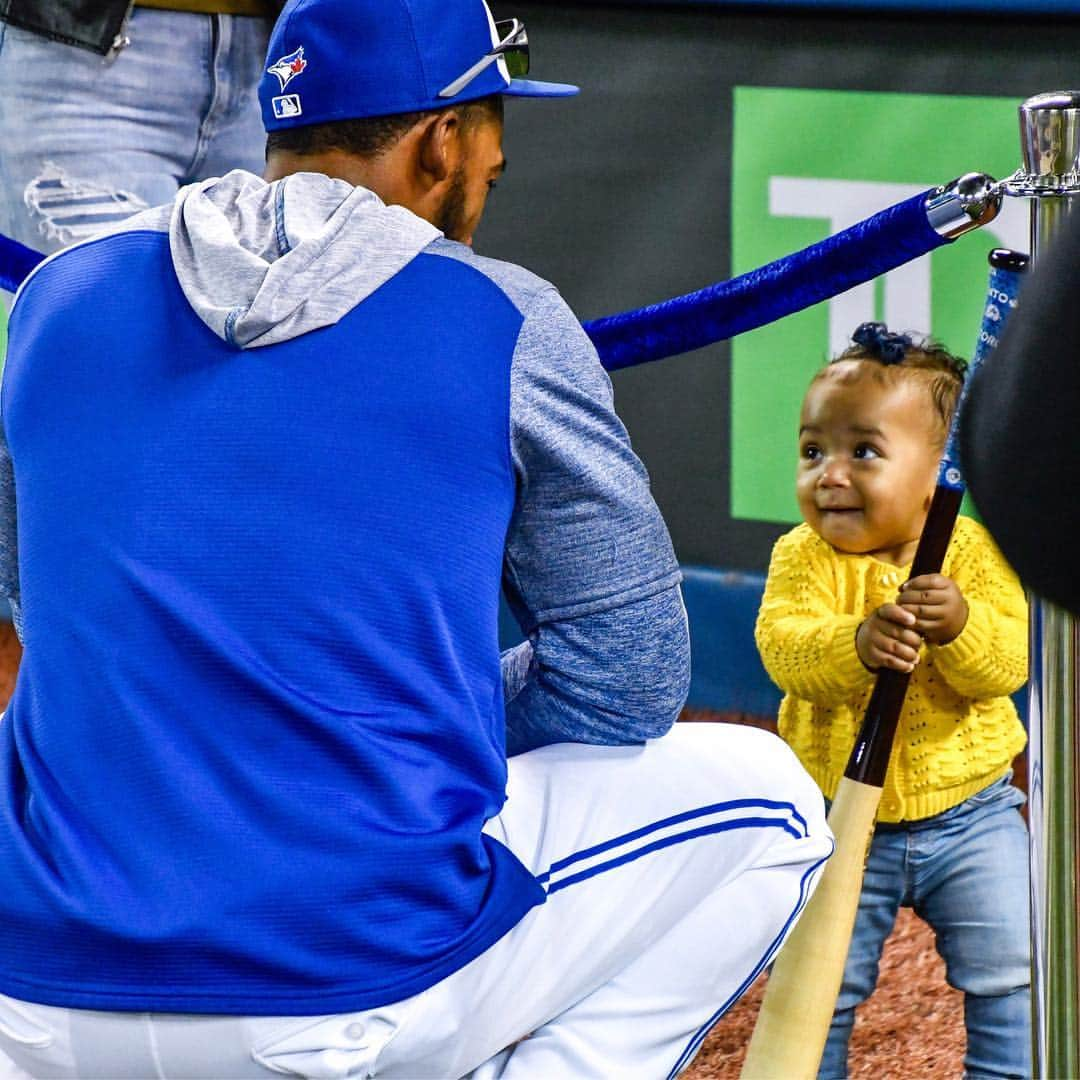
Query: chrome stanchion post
{"points": [[1050, 140]]}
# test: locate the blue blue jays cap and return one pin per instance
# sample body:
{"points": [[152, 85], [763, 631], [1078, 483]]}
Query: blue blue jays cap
{"points": [[348, 59]]}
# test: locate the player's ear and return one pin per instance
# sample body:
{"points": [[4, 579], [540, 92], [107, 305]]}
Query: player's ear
{"points": [[438, 146]]}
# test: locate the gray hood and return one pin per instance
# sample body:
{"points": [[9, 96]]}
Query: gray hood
{"points": [[262, 263]]}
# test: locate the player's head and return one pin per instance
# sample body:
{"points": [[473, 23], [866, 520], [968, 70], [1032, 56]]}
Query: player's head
{"points": [[871, 432], [402, 95]]}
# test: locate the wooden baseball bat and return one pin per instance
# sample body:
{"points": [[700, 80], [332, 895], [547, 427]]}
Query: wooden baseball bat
{"points": [[793, 1025]]}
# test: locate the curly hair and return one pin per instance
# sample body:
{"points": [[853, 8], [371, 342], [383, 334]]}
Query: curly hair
{"points": [[898, 354]]}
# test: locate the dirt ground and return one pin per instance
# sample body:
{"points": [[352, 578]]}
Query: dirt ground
{"points": [[912, 1027]]}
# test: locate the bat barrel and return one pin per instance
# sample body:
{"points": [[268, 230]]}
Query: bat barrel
{"points": [[793, 1024]]}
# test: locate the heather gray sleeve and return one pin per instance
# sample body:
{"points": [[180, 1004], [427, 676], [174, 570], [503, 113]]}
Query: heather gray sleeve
{"points": [[590, 572]]}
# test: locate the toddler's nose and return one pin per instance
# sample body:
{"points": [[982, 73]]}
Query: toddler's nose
{"points": [[835, 474]]}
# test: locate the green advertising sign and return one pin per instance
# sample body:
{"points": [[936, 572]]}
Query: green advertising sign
{"points": [[808, 163]]}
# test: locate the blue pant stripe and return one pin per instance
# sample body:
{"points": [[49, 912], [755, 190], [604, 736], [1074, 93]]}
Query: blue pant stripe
{"points": [[689, 815], [668, 841]]}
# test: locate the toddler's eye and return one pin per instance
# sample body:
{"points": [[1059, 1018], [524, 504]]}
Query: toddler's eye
{"points": [[864, 452], [810, 452]]}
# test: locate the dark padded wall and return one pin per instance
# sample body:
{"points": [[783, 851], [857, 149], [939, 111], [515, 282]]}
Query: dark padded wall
{"points": [[621, 196]]}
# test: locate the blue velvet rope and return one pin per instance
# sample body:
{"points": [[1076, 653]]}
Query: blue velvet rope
{"points": [[872, 247], [16, 262]]}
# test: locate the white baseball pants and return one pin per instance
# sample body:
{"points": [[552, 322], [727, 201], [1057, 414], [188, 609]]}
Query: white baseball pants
{"points": [[674, 871]]}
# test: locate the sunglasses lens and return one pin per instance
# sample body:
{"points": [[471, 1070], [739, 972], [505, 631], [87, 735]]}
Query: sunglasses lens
{"points": [[517, 61]]}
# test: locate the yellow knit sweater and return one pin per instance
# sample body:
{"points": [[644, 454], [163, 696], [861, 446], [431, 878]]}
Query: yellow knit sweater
{"points": [[958, 731]]}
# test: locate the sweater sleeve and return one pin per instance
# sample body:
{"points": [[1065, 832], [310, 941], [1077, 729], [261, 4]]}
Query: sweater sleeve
{"points": [[989, 658], [590, 572], [807, 647]]}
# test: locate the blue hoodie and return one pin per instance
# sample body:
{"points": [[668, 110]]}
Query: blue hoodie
{"points": [[274, 448]]}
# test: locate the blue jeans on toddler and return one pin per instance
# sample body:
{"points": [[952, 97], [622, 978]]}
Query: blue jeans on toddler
{"points": [[965, 872]]}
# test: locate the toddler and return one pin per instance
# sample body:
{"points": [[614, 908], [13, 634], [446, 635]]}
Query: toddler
{"points": [[839, 606]]}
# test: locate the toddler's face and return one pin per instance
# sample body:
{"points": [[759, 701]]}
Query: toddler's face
{"points": [[868, 457]]}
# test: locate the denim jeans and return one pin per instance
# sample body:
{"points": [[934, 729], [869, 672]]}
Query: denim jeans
{"points": [[965, 872], [87, 141]]}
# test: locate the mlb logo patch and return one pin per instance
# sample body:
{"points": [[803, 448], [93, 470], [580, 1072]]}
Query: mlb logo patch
{"points": [[286, 105]]}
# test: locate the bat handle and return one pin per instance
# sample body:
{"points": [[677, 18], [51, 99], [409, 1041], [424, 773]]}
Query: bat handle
{"points": [[937, 532], [870, 755]]}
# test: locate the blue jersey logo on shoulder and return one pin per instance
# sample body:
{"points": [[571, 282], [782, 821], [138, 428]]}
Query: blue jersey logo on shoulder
{"points": [[286, 68]]}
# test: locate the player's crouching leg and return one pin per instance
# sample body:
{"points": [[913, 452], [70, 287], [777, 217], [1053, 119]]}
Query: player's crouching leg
{"points": [[673, 872]]}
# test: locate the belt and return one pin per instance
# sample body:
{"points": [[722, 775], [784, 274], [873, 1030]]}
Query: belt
{"points": [[265, 8]]}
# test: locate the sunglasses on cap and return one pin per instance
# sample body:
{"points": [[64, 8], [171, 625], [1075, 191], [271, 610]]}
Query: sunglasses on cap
{"points": [[513, 47]]}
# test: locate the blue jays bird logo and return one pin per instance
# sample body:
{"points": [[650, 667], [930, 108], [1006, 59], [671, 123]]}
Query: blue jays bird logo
{"points": [[286, 68]]}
